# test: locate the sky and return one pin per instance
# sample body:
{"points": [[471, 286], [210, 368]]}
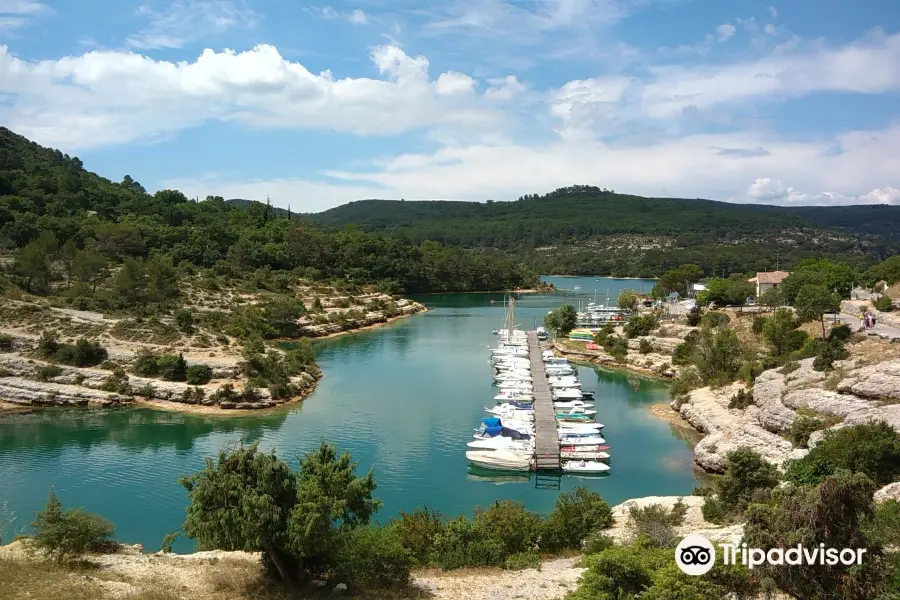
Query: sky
{"points": [[795, 102]]}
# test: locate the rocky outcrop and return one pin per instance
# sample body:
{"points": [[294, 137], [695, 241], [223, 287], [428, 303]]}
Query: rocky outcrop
{"points": [[693, 519], [75, 386], [866, 395], [35, 393], [404, 308], [889, 492], [729, 429], [878, 382]]}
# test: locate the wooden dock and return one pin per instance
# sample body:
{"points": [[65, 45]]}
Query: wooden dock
{"points": [[546, 443]]}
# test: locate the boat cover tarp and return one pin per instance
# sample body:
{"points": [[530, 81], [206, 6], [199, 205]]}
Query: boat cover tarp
{"points": [[491, 421]]}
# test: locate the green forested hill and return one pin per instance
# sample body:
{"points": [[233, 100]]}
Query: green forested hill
{"points": [[53, 212], [594, 231]]}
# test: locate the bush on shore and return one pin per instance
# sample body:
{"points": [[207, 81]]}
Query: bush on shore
{"points": [[63, 534]]}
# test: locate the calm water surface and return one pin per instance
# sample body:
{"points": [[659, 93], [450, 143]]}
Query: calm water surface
{"points": [[403, 399]]}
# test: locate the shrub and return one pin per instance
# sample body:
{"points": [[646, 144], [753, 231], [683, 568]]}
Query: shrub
{"points": [[872, 449], [193, 395], [694, 316], [789, 367], [372, 558], [62, 533], [597, 542], [84, 353], [172, 368], [713, 510], [620, 572], [746, 473], [687, 380], [883, 303], [656, 523], [833, 514], [6, 342], [460, 545], [48, 344], [510, 523], [523, 560], [741, 400], [645, 347], [47, 372], [198, 374], [184, 319], [145, 364], [576, 515], [145, 390], [616, 347], [225, 393], [640, 325], [417, 530], [884, 527], [759, 324], [802, 428], [117, 383], [828, 353], [714, 319]]}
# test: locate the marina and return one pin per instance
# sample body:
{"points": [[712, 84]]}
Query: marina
{"points": [[540, 410]]}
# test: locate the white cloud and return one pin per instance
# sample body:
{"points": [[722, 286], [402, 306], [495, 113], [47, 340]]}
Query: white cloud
{"points": [[870, 66], [108, 97], [186, 21], [725, 31], [585, 105], [692, 166], [505, 89], [329, 13], [452, 82], [15, 14], [773, 11], [765, 190], [22, 7]]}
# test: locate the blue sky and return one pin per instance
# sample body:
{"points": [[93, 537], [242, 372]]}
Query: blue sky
{"points": [[314, 105]]}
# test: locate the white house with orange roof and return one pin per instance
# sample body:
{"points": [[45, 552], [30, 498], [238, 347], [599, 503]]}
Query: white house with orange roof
{"points": [[768, 280]]}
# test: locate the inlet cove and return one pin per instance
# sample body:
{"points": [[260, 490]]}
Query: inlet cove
{"points": [[403, 399]]}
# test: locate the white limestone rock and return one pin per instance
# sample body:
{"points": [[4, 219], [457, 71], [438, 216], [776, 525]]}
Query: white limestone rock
{"points": [[889, 492], [711, 452], [29, 392], [880, 381]]}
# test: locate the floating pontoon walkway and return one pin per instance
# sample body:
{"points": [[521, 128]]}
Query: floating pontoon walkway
{"points": [[546, 443]]}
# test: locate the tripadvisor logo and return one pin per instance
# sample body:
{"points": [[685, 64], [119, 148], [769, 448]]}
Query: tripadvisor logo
{"points": [[695, 555]]}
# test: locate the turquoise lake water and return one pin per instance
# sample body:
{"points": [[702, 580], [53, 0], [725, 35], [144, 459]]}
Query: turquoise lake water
{"points": [[403, 399]]}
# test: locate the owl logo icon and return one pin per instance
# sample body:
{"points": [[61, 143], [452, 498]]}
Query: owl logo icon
{"points": [[695, 555]]}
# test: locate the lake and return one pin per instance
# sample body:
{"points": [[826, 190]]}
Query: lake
{"points": [[403, 399]]}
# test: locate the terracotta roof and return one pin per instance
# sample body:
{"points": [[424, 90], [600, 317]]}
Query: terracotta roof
{"points": [[773, 277]]}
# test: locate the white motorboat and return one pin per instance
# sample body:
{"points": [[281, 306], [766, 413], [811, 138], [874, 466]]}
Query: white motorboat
{"points": [[567, 394], [502, 443], [565, 383], [584, 466], [500, 460], [577, 410], [508, 411], [573, 404], [579, 427], [586, 455], [577, 449], [593, 440], [507, 396]]}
